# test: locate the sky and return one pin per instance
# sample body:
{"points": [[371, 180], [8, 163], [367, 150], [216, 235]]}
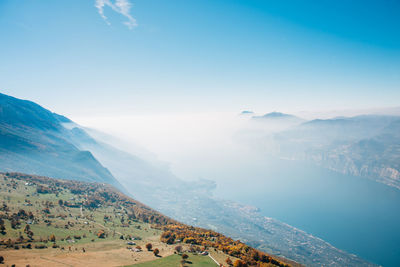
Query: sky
{"points": [[85, 58]]}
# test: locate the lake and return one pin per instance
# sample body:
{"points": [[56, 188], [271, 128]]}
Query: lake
{"points": [[352, 213]]}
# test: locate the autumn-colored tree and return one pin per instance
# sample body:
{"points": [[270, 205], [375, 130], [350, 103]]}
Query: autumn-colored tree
{"points": [[149, 246], [52, 238], [168, 237], [156, 252], [101, 234], [229, 261], [239, 263]]}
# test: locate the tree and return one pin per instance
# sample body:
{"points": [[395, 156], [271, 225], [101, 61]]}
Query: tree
{"points": [[2, 229], [14, 224], [30, 234], [229, 261], [240, 263], [156, 252], [168, 237], [53, 238], [149, 246], [101, 234], [178, 249]]}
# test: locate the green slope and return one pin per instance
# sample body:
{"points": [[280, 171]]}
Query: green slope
{"points": [[174, 261]]}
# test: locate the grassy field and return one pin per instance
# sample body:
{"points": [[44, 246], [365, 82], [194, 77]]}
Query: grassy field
{"points": [[53, 222], [174, 261], [75, 230], [80, 222]]}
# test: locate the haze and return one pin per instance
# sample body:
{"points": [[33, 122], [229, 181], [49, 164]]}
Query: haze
{"points": [[166, 83]]}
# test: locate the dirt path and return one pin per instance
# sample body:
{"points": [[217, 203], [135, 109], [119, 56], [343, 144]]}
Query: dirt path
{"points": [[108, 253], [213, 259]]}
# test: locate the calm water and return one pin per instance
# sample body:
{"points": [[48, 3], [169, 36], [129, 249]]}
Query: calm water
{"points": [[354, 214]]}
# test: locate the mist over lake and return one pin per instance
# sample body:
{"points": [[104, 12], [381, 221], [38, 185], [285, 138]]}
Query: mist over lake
{"points": [[352, 213]]}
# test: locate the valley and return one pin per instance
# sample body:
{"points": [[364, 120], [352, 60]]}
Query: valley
{"points": [[37, 141]]}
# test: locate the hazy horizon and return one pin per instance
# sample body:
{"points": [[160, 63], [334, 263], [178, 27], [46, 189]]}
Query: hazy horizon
{"points": [[157, 90]]}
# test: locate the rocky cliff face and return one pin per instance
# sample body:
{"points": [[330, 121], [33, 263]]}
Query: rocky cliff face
{"points": [[366, 146]]}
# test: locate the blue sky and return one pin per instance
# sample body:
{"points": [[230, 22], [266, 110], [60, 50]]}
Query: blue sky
{"points": [[210, 55]]}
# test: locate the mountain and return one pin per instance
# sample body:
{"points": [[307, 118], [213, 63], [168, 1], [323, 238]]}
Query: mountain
{"points": [[278, 116], [52, 145], [33, 140], [143, 179], [279, 120], [246, 112], [367, 145]]}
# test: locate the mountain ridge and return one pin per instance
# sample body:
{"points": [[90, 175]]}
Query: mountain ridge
{"points": [[160, 189], [32, 139]]}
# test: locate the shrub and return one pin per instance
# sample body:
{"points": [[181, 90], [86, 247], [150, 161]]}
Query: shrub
{"points": [[156, 252], [53, 238], [149, 246]]}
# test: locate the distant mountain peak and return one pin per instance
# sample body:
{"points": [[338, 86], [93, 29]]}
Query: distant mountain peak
{"points": [[277, 115]]}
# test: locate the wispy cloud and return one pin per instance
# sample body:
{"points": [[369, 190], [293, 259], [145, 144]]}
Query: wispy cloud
{"points": [[122, 7]]}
